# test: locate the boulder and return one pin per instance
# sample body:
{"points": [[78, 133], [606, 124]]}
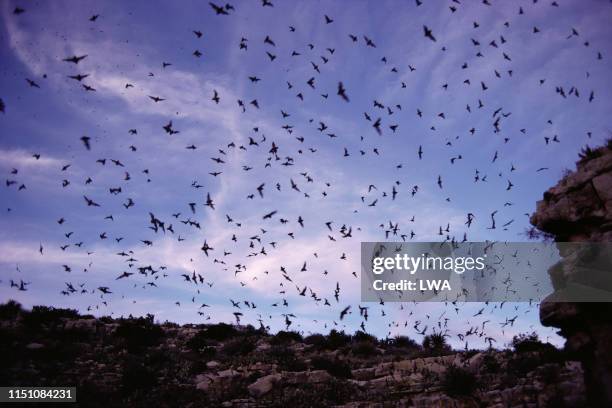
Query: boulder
{"points": [[263, 385]]}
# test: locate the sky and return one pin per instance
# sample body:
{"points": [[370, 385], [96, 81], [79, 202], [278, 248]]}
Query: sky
{"points": [[507, 94]]}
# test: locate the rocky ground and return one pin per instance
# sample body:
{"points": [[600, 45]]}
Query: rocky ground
{"points": [[136, 362]]}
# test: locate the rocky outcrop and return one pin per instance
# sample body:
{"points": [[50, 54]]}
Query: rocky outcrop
{"points": [[579, 209], [136, 362]]}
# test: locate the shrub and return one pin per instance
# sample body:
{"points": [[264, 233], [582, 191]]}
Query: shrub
{"points": [[336, 340], [238, 347], [10, 310], [335, 367], [220, 332], [286, 359], [435, 345], [527, 342], [364, 349], [137, 376], [361, 336], [404, 342], [139, 333], [199, 341], [47, 315], [459, 382], [284, 337], [316, 340], [490, 364]]}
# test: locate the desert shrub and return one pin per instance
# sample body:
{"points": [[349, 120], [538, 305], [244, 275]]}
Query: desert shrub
{"points": [[238, 346], [220, 332], [284, 337], [316, 340], [521, 364], [459, 382], [336, 339], [137, 376], [364, 349], [286, 359], [139, 333], [10, 310], [335, 367], [435, 345], [198, 341], [360, 336], [527, 342], [587, 153], [404, 342], [47, 315], [490, 364]]}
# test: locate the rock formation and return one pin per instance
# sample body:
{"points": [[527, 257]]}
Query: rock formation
{"points": [[579, 209], [136, 362]]}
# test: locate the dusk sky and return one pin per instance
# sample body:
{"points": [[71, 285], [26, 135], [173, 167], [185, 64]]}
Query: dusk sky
{"points": [[499, 105]]}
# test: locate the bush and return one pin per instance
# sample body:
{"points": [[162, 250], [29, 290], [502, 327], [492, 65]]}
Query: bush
{"points": [[238, 347], [336, 340], [284, 337], [361, 336], [10, 310], [459, 382], [316, 340], [435, 345], [139, 333], [336, 367], [286, 359], [364, 349], [136, 376], [44, 315], [220, 332], [404, 342], [527, 342], [199, 341], [490, 364]]}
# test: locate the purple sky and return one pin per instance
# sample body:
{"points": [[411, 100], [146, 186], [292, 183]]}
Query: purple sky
{"points": [[405, 72]]}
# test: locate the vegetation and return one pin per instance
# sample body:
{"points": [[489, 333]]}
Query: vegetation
{"points": [[459, 382], [435, 345]]}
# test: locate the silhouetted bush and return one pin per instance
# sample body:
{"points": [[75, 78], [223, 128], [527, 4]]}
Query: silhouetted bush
{"points": [[335, 367], [435, 345], [139, 333], [44, 315], [286, 359], [490, 364], [284, 337], [220, 332], [360, 336], [137, 376], [199, 341], [364, 349], [404, 342], [238, 346], [335, 340], [459, 382], [316, 340], [527, 342], [10, 310]]}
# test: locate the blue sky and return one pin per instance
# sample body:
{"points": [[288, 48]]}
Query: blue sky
{"points": [[128, 43]]}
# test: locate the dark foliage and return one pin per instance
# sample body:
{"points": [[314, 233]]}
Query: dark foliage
{"points": [[459, 382], [139, 333], [335, 367]]}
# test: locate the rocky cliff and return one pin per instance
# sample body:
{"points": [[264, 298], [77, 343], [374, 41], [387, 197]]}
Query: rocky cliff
{"points": [[579, 209], [137, 362]]}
